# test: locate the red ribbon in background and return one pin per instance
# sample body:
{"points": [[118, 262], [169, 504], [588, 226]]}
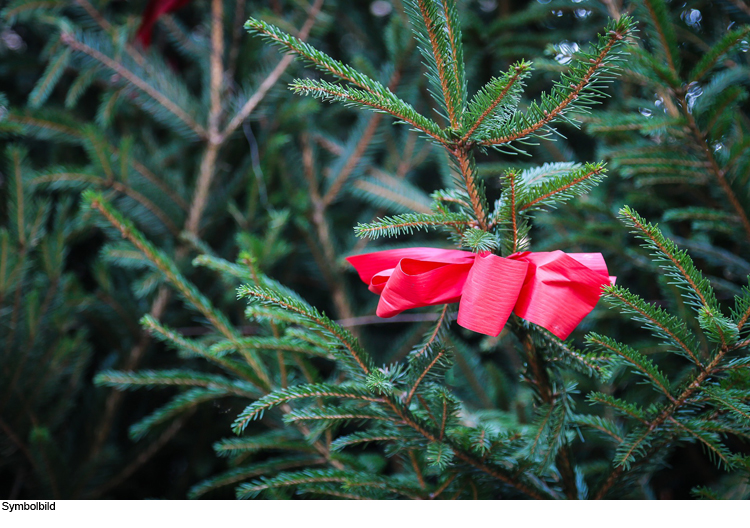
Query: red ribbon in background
{"points": [[154, 10], [554, 290]]}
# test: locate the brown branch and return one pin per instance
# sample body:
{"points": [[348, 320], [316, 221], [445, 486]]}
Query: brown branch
{"points": [[208, 164], [107, 27], [393, 196], [514, 221], [324, 236], [453, 41], [435, 332], [468, 171], [443, 486], [422, 376], [613, 8], [415, 465], [741, 5], [331, 329], [273, 77]]}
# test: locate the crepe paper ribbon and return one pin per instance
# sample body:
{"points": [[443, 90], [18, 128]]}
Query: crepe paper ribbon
{"points": [[154, 10], [555, 290]]}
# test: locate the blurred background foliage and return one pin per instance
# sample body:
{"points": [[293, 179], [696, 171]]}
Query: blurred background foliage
{"points": [[282, 180]]}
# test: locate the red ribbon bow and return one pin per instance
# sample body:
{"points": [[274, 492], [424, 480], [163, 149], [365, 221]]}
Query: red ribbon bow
{"points": [[555, 290], [154, 10]]}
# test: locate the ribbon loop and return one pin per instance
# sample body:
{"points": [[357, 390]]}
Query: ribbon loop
{"points": [[490, 293], [553, 289]]}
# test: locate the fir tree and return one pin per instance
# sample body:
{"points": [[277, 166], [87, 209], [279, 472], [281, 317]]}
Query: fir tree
{"points": [[328, 408]]}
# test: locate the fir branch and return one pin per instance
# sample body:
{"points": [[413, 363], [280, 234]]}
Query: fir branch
{"points": [[271, 441], [576, 87], [604, 426], [273, 77], [181, 378], [363, 438], [193, 348], [424, 373], [386, 103], [709, 439], [172, 274], [178, 405], [726, 400], [55, 178], [268, 343], [316, 57], [621, 406], [435, 335], [636, 444], [253, 489], [49, 79], [593, 365], [684, 271], [499, 93], [335, 414], [659, 18], [352, 161], [637, 360], [241, 473], [59, 129], [660, 322], [437, 49], [355, 351], [716, 170], [561, 188], [255, 410], [503, 474], [726, 44], [410, 222], [71, 41]]}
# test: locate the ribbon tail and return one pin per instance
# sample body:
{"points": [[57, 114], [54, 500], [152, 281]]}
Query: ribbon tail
{"points": [[490, 293]]}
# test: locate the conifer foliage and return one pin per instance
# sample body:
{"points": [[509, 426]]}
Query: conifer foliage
{"points": [[322, 411]]}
